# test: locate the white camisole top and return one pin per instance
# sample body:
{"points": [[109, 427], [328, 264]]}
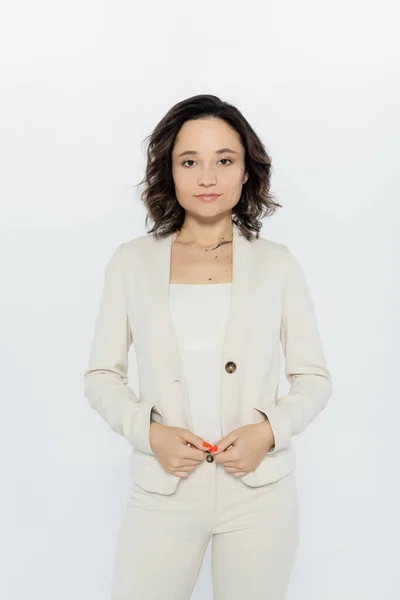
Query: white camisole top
{"points": [[200, 314]]}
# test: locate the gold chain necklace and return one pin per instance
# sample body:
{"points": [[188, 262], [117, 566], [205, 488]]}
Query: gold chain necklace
{"points": [[219, 244], [222, 242]]}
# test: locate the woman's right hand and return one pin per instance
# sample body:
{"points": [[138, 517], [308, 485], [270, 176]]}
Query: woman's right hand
{"points": [[172, 447]]}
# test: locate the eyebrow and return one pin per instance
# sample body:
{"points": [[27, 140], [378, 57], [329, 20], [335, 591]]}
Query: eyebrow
{"points": [[220, 151]]}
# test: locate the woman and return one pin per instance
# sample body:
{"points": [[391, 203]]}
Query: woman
{"points": [[208, 304]]}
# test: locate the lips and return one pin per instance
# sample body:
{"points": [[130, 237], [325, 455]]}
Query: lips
{"points": [[208, 197]]}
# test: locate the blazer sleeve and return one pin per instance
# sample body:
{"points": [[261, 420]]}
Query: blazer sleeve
{"points": [[106, 376], [305, 364]]}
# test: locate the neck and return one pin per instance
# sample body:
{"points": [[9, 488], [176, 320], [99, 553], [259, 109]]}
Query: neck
{"points": [[203, 235]]}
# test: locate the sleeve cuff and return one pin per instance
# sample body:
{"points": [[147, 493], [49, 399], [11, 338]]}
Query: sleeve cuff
{"points": [[139, 429], [279, 426]]}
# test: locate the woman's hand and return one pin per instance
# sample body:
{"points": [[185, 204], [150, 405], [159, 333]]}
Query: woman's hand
{"points": [[172, 446], [250, 444]]}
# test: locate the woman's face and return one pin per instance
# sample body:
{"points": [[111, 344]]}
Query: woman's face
{"points": [[199, 166]]}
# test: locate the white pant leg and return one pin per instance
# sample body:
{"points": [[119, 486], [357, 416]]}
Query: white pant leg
{"points": [[255, 542], [162, 540]]}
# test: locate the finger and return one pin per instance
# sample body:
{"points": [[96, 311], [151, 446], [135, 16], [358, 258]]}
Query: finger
{"points": [[236, 472], [192, 452], [224, 446], [225, 457], [190, 461], [204, 450], [185, 468], [182, 472], [192, 439]]}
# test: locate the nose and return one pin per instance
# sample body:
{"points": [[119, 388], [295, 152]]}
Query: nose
{"points": [[207, 177]]}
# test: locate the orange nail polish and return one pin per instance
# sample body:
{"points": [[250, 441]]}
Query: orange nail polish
{"points": [[207, 445], [214, 449]]}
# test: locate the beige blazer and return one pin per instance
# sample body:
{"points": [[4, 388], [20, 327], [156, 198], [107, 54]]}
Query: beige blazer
{"points": [[270, 311]]}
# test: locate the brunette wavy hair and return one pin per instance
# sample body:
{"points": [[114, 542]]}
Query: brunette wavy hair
{"points": [[158, 195]]}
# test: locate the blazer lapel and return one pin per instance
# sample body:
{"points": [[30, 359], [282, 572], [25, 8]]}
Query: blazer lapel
{"points": [[243, 270]]}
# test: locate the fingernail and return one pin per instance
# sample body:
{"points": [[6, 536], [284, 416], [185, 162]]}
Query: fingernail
{"points": [[207, 445], [213, 448]]}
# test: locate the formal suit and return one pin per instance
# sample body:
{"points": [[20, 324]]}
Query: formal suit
{"points": [[270, 310]]}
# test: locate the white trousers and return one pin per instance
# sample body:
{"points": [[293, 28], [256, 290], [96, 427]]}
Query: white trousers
{"points": [[162, 538]]}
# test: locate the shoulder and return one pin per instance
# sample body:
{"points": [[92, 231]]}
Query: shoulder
{"points": [[138, 244], [272, 249], [280, 256], [126, 251], [270, 245], [133, 247]]}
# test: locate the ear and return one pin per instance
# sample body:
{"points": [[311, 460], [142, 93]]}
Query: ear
{"points": [[246, 176]]}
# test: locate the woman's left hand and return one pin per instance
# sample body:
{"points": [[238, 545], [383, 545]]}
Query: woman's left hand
{"points": [[250, 444]]}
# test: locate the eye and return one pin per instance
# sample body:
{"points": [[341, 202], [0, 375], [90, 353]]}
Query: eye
{"points": [[191, 160]]}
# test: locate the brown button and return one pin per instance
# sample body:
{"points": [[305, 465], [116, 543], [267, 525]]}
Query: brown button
{"points": [[209, 458], [230, 367]]}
